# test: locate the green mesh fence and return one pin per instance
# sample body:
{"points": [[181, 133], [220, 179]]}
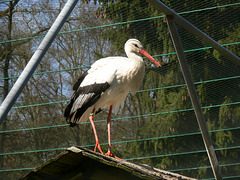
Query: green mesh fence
{"points": [[157, 126]]}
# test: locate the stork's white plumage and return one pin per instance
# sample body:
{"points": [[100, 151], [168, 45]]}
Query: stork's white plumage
{"points": [[107, 84]]}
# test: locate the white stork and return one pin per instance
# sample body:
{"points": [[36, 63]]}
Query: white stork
{"points": [[107, 84]]}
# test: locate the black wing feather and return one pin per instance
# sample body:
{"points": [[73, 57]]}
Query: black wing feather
{"points": [[79, 81], [89, 96]]}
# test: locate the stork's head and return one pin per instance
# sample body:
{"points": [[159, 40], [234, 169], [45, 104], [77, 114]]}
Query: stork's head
{"points": [[135, 46]]}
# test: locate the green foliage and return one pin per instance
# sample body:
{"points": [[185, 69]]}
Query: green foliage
{"points": [[160, 123], [204, 65]]}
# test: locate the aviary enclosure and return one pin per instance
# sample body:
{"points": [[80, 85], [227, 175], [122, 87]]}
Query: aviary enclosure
{"points": [[157, 126]]}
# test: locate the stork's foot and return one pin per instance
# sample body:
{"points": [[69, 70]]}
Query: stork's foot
{"points": [[109, 153], [98, 147]]}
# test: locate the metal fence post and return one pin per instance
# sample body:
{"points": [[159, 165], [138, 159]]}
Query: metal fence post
{"points": [[194, 98], [36, 58]]}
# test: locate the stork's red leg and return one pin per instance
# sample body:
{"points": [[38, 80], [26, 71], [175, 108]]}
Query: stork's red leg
{"points": [[109, 153], [95, 133]]}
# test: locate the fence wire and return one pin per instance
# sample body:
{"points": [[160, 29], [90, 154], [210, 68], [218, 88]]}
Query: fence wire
{"points": [[157, 126]]}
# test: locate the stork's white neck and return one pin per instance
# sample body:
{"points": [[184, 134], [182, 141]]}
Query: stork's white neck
{"points": [[136, 73], [135, 58]]}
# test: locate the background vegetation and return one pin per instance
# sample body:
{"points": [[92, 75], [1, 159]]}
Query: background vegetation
{"points": [[157, 126]]}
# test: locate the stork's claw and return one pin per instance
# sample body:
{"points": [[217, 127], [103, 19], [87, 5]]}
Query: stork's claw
{"points": [[109, 153]]}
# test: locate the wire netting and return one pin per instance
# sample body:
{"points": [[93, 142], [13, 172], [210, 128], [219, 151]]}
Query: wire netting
{"points": [[156, 126]]}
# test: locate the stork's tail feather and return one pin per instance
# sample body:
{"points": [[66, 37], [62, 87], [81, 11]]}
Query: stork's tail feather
{"points": [[73, 118], [68, 115], [68, 109]]}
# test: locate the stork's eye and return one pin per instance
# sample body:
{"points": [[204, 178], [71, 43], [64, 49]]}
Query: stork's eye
{"points": [[136, 45]]}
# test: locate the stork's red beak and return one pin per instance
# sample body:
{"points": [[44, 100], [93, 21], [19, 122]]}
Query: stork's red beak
{"points": [[145, 53]]}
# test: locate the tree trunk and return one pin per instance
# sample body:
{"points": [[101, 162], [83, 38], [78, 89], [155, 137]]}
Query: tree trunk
{"points": [[6, 58]]}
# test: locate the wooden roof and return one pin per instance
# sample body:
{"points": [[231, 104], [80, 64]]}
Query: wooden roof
{"points": [[81, 163]]}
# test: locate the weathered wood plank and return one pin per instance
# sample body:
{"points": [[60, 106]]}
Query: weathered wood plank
{"points": [[82, 163]]}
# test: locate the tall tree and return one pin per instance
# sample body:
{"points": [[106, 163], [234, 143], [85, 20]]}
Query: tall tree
{"points": [[5, 59], [56, 74]]}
